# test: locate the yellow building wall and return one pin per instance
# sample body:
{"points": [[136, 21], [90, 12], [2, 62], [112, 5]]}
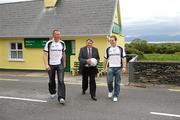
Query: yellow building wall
{"points": [[120, 40], [116, 17], [50, 3], [99, 42], [117, 20], [32, 58]]}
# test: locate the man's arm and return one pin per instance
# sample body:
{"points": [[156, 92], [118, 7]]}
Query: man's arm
{"points": [[81, 59], [124, 64], [45, 59], [105, 64]]}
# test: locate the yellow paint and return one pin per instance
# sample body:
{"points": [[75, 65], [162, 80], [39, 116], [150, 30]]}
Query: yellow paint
{"points": [[99, 42], [50, 3], [116, 17], [32, 57], [120, 39], [117, 20]]}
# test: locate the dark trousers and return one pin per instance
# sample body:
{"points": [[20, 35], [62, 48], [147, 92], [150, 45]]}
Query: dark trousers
{"points": [[52, 83], [89, 72]]}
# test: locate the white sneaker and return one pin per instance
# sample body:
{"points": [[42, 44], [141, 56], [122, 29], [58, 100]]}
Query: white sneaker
{"points": [[53, 96], [110, 95], [115, 99], [62, 101]]}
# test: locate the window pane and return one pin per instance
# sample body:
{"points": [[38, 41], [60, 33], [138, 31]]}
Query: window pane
{"points": [[20, 54], [13, 45], [20, 46], [13, 54]]}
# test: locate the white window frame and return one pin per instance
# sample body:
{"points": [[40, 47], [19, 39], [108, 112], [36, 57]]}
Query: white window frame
{"points": [[16, 50]]}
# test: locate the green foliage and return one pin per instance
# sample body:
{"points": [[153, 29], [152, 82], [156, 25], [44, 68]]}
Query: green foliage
{"points": [[134, 51], [144, 47], [139, 44], [161, 57], [155, 51], [165, 48]]}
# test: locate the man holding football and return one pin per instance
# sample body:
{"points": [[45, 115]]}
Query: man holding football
{"points": [[88, 59]]}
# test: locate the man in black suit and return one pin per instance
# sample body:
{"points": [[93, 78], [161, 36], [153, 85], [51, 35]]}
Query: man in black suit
{"points": [[86, 69]]}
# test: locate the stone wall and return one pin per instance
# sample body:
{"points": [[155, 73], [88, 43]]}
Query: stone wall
{"points": [[155, 72]]}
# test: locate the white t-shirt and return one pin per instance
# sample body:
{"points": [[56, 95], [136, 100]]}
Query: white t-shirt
{"points": [[115, 55], [55, 51]]}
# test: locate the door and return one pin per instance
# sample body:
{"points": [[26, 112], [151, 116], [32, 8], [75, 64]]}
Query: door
{"points": [[68, 54]]}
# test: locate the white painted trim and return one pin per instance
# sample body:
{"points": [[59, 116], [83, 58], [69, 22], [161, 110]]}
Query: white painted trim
{"points": [[165, 114], [15, 60], [22, 99], [9, 52], [4, 79], [174, 90]]}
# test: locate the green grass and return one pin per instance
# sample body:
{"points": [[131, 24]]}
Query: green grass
{"points": [[161, 57]]}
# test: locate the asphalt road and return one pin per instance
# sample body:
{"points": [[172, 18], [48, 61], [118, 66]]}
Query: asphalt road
{"points": [[25, 97]]}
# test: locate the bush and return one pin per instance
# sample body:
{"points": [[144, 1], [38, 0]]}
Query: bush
{"points": [[149, 49], [134, 51], [138, 45], [165, 48]]}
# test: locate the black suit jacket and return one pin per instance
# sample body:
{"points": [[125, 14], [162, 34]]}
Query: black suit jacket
{"points": [[83, 56]]}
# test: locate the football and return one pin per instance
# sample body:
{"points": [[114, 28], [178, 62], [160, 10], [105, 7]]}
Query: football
{"points": [[93, 62]]}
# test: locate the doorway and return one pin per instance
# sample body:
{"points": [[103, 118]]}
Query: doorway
{"points": [[69, 51]]}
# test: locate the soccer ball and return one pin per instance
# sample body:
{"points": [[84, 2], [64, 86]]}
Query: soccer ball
{"points": [[93, 62]]}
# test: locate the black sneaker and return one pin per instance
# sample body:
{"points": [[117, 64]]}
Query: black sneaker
{"points": [[94, 98], [83, 92]]}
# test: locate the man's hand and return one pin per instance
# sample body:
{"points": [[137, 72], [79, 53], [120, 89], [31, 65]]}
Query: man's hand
{"points": [[123, 69], [88, 61], [47, 67]]}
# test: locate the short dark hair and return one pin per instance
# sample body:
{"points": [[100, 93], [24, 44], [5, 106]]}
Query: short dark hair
{"points": [[55, 31], [89, 40], [113, 36]]}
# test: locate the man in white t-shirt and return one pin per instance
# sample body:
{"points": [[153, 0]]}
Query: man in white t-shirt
{"points": [[55, 61], [115, 61]]}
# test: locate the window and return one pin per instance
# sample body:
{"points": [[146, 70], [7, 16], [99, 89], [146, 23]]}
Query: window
{"points": [[16, 51]]}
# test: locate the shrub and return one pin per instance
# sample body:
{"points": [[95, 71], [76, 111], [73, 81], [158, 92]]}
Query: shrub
{"points": [[165, 48], [139, 44], [148, 48], [134, 51]]}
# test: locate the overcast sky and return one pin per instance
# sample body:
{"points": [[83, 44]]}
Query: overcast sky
{"points": [[147, 17], [150, 17]]}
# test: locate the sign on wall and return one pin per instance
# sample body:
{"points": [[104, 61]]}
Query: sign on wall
{"points": [[35, 42], [116, 28]]}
